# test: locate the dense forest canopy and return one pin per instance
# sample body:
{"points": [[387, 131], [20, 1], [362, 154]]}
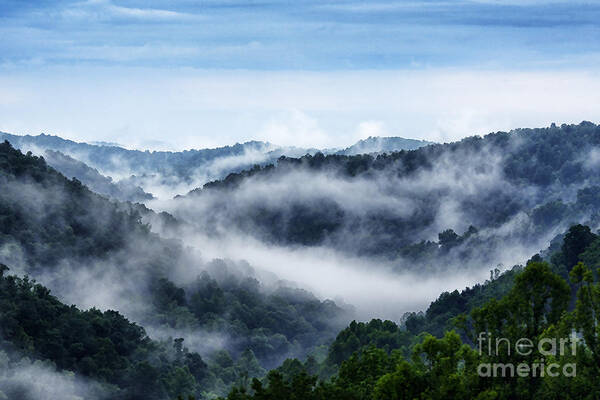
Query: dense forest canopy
{"points": [[374, 360]]}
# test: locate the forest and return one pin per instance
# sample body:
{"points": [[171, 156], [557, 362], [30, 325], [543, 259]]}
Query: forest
{"points": [[299, 200], [78, 235], [542, 302], [460, 204], [104, 298]]}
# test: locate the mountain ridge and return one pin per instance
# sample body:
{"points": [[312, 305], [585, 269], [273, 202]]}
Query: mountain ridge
{"points": [[169, 173], [393, 143]]}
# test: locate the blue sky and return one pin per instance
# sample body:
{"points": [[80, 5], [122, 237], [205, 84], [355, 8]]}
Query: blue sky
{"points": [[299, 35], [123, 57]]}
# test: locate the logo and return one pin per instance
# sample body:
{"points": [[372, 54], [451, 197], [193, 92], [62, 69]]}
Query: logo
{"points": [[525, 347]]}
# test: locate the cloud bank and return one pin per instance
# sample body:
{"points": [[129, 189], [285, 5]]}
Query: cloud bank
{"points": [[192, 108]]}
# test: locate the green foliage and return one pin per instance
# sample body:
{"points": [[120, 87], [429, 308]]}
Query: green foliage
{"points": [[274, 326], [358, 336], [101, 345], [587, 310], [536, 308], [442, 313], [374, 360], [577, 239], [51, 217], [74, 223]]}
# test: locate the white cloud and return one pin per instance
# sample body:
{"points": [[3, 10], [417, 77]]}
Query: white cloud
{"points": [[366, 284], [371, 128], [294, 128], [105, 9], [145, 13], [366, 7], [200, 108]]}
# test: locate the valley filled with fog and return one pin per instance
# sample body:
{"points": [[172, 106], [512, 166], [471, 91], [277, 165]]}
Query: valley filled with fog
{"points": [[257, 254], [400, 227], [308, 200]]}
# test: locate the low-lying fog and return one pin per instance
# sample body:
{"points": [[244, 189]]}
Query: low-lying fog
{"points": [[366, 284]]}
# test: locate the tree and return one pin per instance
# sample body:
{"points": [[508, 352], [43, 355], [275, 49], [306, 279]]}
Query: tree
{"points": [[406, 382], [535, 303], [448, 239], [587, 310], [447, 365], [577, 239], [3, 269]]}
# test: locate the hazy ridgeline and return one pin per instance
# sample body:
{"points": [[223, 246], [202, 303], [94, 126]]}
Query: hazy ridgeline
{"points": [[521, 186], [167, 173], [242, 268], [96, 253], [404, 225]]}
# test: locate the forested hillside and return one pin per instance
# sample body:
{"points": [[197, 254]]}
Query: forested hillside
{"points": [[103, 346], [381, 361], [208, 200], [382, 145], [460, 204], [171, 172], [94, 252], [96, 182], [109, 299], [181, 165]]}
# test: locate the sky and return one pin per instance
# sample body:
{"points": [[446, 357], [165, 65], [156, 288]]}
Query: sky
{"points": [[191, 74]]}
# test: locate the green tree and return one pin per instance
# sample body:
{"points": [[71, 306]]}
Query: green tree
{"points": [[577, 239], [537, 301]]}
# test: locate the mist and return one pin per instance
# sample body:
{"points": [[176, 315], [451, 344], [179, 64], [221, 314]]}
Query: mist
{"points": [[370, 286], [315, 200], [216, 225], [460, 189], [25, 379], [303, 246], [137, 276]]}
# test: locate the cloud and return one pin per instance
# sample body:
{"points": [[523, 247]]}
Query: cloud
{"points": [[294, 128], [203, 108], [372, 7], [369, 285], [131, 53], [106, 9], [368, 129], [527, 3], [26, 380], [196, 340], [305, 35], [450, 194], [146, 13], [591, 160]]}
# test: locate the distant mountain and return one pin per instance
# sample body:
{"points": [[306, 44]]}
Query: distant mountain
{"points": [[97, 182], [382, 145], [117, 160], [101, 143], [166, 173], [439, 202]]}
